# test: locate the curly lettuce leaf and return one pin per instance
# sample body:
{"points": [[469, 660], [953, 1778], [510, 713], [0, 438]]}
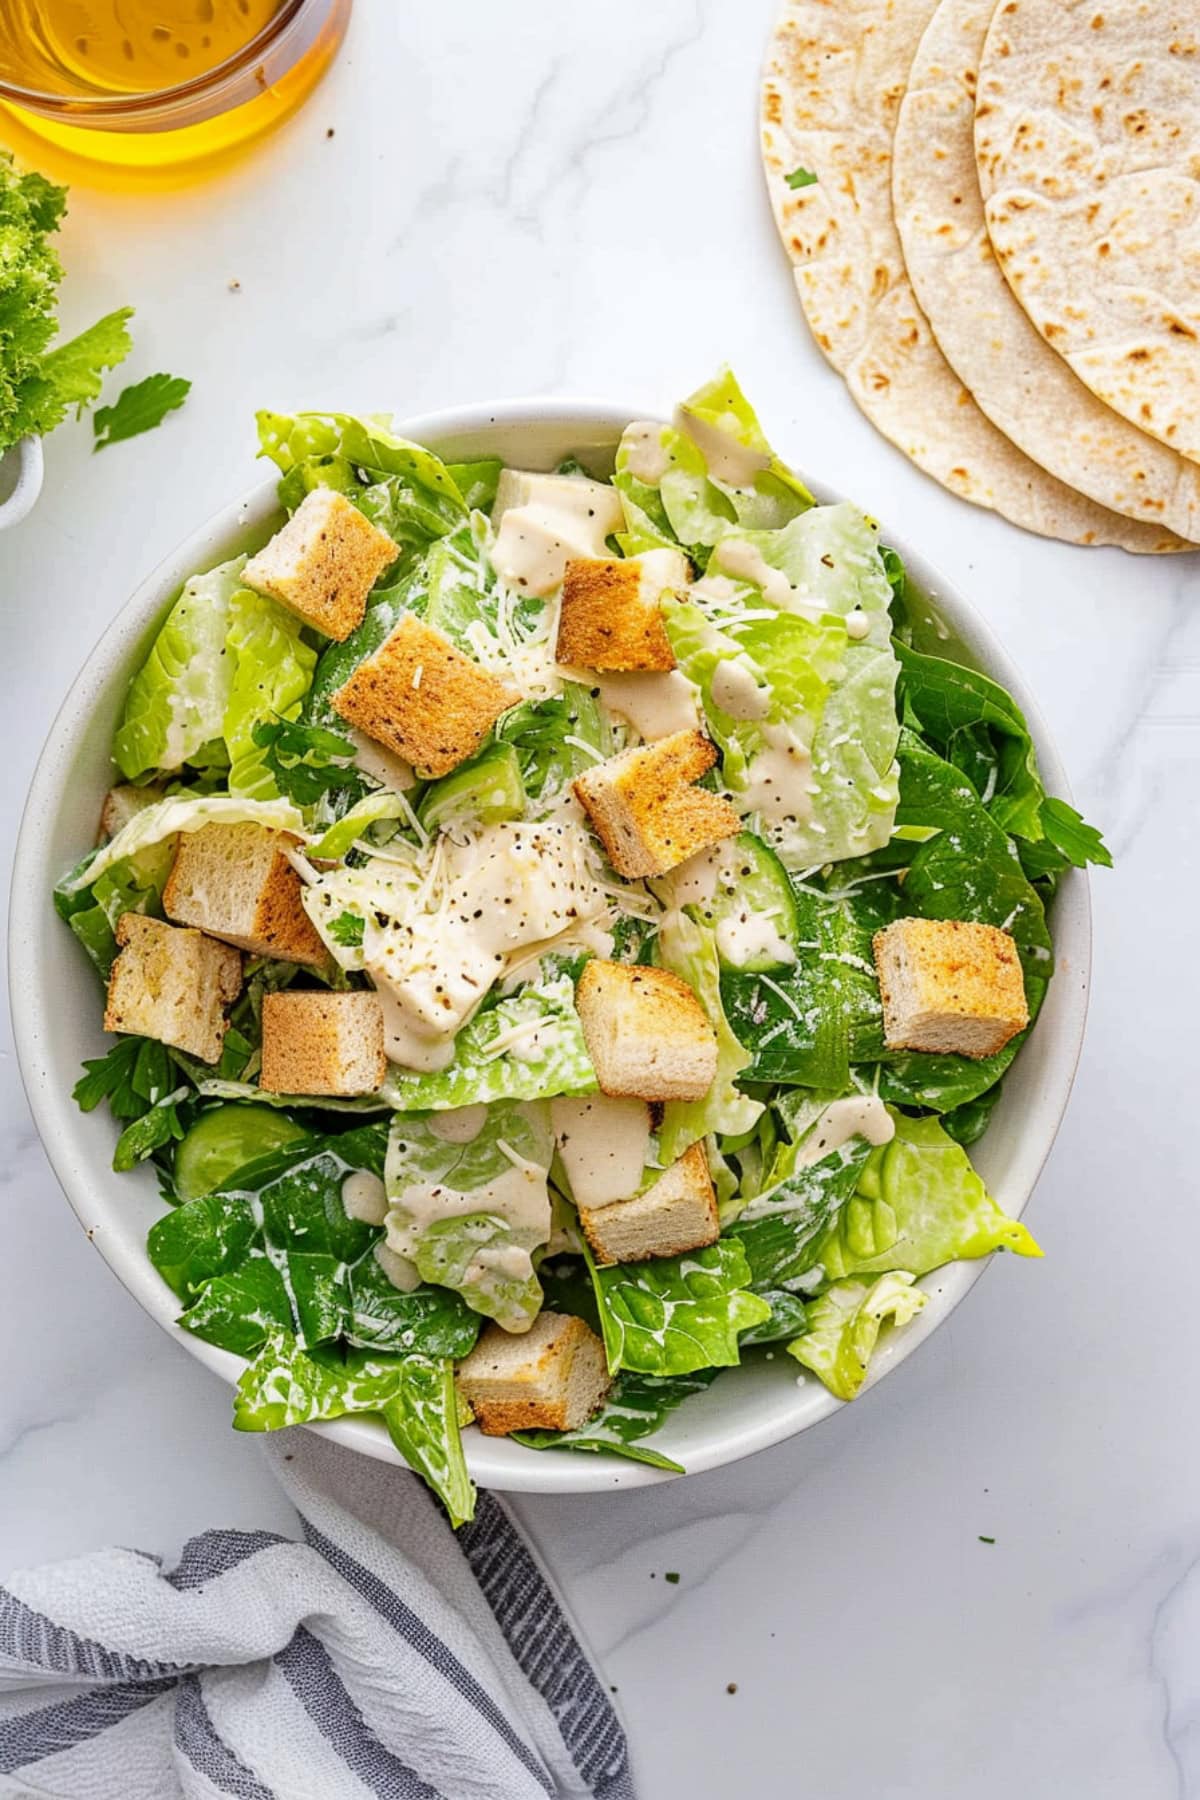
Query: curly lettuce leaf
{"points": [[529, 1047], [415, 1395], [677, 1314], [844, 1326], [689, 950], [176, 702]]}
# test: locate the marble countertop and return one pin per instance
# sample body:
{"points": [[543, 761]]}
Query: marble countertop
{"points": [[532, 199]]}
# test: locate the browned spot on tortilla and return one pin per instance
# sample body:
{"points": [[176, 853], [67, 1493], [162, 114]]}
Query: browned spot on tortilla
{"points": [[773, 108], [1137, 356]]}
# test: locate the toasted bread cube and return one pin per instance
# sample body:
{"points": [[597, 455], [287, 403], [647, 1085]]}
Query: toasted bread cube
{"points": [[322, 1043], [121, 804], [647, 813], [678, 1213], [611, 612], [647, 1034], [172, 984], [949, 986], [323, 563], [551, 1378], [235, 883], [423, 699]]}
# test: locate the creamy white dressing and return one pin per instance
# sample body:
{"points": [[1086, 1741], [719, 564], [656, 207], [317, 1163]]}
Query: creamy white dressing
{"points": [[645, 457], [859, 1115], [778, 777], [745, 562], [365, 1197], [736, 690], [656, 703], [604, 1145], [402, 1273], [858, 624], [460, 1124], [717, 588], [519, 1196], [694, 882], [502, 889], [543, 521], [750, 936], [729, 461], [389, 770]]}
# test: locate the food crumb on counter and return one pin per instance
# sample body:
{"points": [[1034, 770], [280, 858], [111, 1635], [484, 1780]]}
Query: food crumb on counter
{"points": [[672, 1575]]}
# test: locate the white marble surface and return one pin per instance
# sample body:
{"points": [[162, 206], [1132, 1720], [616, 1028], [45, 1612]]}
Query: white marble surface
{"points": [[567, 200]]}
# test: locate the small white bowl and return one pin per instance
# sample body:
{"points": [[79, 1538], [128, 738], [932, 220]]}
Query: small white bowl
{"points": [[57, 1002], [21, 471]]}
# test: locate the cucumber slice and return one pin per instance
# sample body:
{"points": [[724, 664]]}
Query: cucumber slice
{"points": [[751, 906], [488, 788], [224, 1140]]}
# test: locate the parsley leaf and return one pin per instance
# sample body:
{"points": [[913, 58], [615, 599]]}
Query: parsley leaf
{"points": [[139, 408], [346, 929], [161, 1125], [307, 761], [801, 178], [135, 1074]]}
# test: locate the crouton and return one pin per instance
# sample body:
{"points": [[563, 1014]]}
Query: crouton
{"points": [[323, 563], [678, 1213], [173, 984], [552, 1378], [950, 987], [322, 1043], [611, 616], [235, 883], [423, 699], [646, 811], [647, 1034], [121, 804]]}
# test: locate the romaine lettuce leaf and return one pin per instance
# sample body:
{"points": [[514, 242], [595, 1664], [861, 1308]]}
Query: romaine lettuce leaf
{"points": [[676, 1314], [179, 813], [403, 488], [272, 672], [636, 1406], [94, 909], [689, 950], [528, 1047], [918, 1204], [781, 1229], [287, 1385], [844, 1326], [176, 701], [469, 1213]]}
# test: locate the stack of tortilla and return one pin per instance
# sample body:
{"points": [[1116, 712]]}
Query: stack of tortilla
{"points": [[993, 211]]}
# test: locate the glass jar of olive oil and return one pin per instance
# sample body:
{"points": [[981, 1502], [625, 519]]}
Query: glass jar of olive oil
{"points": [[150, 82]]}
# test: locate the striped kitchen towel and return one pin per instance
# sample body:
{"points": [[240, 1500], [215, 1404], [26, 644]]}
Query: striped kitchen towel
{"points": [[382, 1655]]}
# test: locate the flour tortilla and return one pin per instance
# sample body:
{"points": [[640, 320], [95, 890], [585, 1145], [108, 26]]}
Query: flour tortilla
{"points": [[1086, 140], [1023, 386], [832, 87]]}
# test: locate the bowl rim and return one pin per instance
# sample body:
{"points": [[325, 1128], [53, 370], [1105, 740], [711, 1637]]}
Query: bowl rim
{"points": [[497, 1463]]}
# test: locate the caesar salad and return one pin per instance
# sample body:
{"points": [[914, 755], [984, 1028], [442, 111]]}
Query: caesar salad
{"points": [[561, 934]]}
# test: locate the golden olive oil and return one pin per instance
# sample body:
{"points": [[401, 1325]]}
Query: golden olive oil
{"points": [[88, 48]]}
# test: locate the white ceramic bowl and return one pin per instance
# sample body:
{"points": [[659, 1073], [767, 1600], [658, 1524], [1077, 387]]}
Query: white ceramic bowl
{"points": [[21, 471], [57, 1003]]}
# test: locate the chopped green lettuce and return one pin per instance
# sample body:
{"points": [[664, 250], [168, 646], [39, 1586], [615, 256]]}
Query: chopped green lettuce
{"points": [[689, 950], [529, 1047], [272, 672], [636, 1406], [470, 1213], [677, 1314], [415, 1395], [844, 1326], [176, 702], [179, 813], [918, 1204]]}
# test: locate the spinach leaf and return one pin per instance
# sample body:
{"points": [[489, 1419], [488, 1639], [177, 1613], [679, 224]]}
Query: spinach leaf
{"points": [[674, 1315]]}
